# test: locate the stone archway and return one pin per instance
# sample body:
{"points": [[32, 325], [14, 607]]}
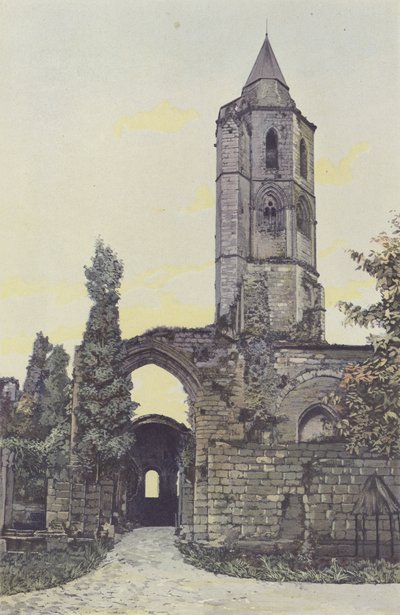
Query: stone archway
{"points": [[158, 439], [145, 350]]}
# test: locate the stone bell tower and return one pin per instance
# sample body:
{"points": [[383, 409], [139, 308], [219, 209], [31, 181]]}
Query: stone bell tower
{"points": [[266, 221]]}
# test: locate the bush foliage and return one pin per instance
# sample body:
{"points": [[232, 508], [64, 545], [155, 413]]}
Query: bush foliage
{"points": [[288, 567], [43, 570], [368, 399]]}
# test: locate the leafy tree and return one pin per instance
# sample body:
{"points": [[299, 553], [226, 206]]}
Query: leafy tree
{"points": [[368, 399], [105, 408]]}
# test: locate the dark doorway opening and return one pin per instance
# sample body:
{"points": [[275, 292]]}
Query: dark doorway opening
{"points": [[152, 494]]}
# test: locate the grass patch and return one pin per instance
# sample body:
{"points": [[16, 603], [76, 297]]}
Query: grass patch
{"points": [[288, 567], [32, 571]]}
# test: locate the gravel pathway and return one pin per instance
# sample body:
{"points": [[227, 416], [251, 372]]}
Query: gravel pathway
{"points": [[146, 575]]}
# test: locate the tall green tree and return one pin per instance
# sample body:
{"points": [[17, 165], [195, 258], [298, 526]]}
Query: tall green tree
{"points": [[27, 415], [55, 414], [39, 432], [56, 392], [368, 399], [105, 407]]}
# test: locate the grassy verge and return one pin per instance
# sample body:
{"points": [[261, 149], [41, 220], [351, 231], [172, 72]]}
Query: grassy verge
{"points": [[43, 570], [288, 567]]}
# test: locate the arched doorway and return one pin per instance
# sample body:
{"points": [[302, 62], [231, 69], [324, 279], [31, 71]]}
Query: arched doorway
{"points": [[158, 437], [152, 495]]}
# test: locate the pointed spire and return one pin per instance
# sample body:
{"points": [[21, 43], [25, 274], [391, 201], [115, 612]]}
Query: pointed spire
{"points": [[266, 66]]}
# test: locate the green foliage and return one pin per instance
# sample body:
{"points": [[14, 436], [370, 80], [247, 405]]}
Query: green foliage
{"points": [[43, 570], [288, 567], [28, 454], [105, 408], [260, 378], [56, 394], [27, 415], [39, 432], [368, 399]]}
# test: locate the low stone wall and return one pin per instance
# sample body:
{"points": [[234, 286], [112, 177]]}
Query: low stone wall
{"points": [[79, 506], [297, 493]]}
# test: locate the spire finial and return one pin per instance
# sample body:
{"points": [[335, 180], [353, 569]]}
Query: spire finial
{"points": [[266, 27]]}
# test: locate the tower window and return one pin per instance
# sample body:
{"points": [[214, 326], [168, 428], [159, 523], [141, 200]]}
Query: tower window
{"points": [[272, 149], [303, 219], [269, 214], [303, 159]]}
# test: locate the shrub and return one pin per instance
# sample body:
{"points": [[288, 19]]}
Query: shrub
{"points": [[288, 567], [43, 570]]}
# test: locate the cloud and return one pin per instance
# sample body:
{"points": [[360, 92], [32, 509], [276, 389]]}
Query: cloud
{"points": [[160, 276], [169, 311], [326, 172], [162, 118], [353, 289], [62, 292], [22, 344], [203, 200], [335, 245]]}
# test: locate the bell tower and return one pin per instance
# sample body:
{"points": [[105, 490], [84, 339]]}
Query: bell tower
{"points": [[266, 220]]}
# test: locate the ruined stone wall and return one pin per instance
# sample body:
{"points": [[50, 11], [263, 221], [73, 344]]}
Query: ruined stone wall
{"points": [[306, 374], [281, 285], [296, 492], [294, 360]]}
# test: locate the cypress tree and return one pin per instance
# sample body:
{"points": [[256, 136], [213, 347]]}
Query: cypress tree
{"points": [[105, 407], [27, 416]]}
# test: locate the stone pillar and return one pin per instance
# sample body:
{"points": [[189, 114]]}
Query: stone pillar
{"points": [[77, 504], [6, 493], [186, 506], [6, 488], [58, 503]]}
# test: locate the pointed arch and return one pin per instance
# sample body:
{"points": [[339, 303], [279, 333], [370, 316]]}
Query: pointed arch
{"points": [[144, 350], [271, 149], [304, 217], [316, 423], [270, 207]]}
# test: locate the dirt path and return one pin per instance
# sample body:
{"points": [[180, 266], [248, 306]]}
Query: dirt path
{"points": [[146, 575]]}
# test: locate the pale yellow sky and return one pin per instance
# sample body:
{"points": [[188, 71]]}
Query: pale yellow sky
{"points": [[107, 128]]}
